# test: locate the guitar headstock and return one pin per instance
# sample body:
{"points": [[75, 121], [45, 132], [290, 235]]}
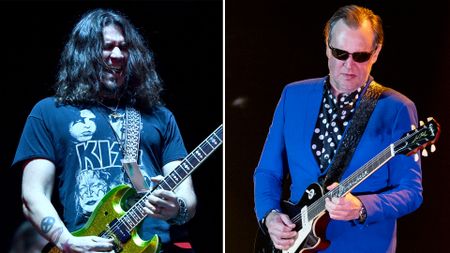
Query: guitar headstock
{"points": [[418, 138]]}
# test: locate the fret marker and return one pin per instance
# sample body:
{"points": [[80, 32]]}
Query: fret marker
{"points": [[199, 154], [213, 140]]}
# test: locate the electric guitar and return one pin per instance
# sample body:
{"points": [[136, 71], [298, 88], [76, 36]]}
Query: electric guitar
{"points": [[310, 216], [112, 219]]}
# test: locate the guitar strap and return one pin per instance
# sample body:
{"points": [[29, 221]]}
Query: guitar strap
{"points": [[131, 150], [356, 129]]}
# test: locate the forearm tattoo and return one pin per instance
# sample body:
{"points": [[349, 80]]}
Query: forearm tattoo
{"points": [[56, 234], [47, 224]]}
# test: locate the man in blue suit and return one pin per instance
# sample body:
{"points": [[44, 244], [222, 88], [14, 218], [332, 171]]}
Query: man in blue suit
{"points": [[310, 121]]}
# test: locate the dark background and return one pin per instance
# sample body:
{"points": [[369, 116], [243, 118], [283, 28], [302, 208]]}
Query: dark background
{"points": [[186, 37], [271, 43]]}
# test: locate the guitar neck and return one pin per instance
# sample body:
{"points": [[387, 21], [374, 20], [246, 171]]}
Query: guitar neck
{"points": [[192, 161], [352, 181], [412, 141]]}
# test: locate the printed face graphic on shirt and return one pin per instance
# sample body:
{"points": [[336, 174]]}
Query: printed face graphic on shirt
{"points": [[83, 128], [92, 187], [116, 123], [99, 167]]}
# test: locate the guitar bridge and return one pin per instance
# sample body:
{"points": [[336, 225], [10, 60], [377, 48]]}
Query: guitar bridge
{"points": [[117, 243], [117, 246]]}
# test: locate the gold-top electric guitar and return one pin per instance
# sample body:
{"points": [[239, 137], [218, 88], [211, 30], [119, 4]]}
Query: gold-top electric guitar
{"points": [[112, 219], [310, 216]]}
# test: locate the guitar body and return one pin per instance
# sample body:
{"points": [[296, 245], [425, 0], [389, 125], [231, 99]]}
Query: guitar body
{"points": [[311, 234], [112, 207], [121, 209]]}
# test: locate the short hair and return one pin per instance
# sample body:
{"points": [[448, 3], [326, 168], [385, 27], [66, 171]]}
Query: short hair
{"points": [[354, 16]]}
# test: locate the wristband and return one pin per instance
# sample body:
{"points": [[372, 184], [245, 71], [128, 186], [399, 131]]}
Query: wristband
{"points": [[183, 214]]}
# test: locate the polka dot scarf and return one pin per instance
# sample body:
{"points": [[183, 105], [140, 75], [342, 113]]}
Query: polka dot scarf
{"points": [[334, 117]]}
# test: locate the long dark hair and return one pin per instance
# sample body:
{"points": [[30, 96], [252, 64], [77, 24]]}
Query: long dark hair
{"points": [[81, 65]]}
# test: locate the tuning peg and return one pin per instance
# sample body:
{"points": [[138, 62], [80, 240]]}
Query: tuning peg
{"points": [[432, 148], [421, 123], [416, 157], [424, 153], [413, 127], [429, 119]]}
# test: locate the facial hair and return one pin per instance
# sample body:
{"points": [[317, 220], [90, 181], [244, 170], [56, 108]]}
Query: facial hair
{"points": [[111, 86]]}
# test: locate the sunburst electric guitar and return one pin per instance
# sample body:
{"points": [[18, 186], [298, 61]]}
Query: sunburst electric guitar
{"points": [[310, 216], [112, 219]]}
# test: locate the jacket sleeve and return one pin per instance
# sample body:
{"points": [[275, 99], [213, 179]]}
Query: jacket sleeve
{"points": [[404, 192], [270, 170]]}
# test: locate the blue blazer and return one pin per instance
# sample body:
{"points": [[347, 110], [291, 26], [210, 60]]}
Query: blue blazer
{"points": [[391, 192]]}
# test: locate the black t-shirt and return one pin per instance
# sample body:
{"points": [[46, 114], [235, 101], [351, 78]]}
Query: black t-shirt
{"points": [[84, 147]]}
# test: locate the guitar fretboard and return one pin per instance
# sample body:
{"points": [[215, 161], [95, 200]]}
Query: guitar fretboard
{"points": [[136, 213], [192, 161], [352, 181], [408, 144]]}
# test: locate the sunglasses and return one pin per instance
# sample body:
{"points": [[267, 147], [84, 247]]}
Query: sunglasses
{"points": [[357, 56]]}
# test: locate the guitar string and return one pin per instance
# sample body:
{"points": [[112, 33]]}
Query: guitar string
{"points": [[320, 206], [315, 206], [201, 146], [140, 202], [204, 144], [319, 203]]}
